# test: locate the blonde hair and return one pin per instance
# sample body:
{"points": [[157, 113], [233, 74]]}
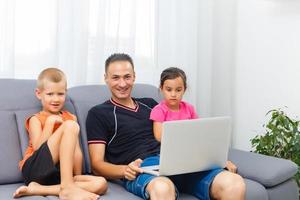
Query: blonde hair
{"points": [[52, 74]]}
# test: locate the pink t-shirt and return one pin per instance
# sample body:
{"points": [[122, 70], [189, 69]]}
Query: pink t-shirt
{"points": [[161, 112]]}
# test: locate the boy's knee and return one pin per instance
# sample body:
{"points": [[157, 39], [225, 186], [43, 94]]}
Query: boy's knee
{"points": [[102, 185], [71, 125]]}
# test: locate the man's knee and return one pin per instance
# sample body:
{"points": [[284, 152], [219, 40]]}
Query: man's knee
{"points": [[236, 185], [161, 187], [227, 183]]}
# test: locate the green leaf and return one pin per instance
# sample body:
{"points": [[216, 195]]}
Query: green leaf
{"points": [[281, 138]]}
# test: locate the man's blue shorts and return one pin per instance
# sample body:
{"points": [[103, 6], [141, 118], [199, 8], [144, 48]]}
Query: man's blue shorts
{"points": [[196, 184]]}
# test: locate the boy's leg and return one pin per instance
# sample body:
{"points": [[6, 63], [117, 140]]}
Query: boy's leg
{"points": [[78, 160], [36, 189], [62, 146], [94, 184]]}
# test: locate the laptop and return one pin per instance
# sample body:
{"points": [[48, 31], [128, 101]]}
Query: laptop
{"points": [[192, 145]]}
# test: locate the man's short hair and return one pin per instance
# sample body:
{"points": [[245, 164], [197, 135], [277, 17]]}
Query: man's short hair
{"points": [[52, 74], [118, 57]]}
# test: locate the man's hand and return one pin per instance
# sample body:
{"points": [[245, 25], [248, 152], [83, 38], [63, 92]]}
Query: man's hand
{"points": [[231, 167], [133, 169]]}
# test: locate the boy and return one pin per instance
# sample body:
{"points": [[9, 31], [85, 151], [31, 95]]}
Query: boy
{"points": [[52, 164]]}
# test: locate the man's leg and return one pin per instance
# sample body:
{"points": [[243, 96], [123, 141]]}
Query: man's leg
{"points": [[161, 188], [228, 186], [149, 186], [212, 184], [62, 146]]}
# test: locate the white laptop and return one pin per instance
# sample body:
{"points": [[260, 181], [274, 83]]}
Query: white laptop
{"points": [[192, 145]]}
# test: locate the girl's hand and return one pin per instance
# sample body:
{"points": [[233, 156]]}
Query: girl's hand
{"points": [[231, 167]]}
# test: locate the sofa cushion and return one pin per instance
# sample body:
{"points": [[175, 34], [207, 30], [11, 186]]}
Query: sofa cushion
{"points": [[17, 94], [21, 116], [82, 109], [257, 167], [100, 93], [287, 191], [255, 190], [10, 153]]}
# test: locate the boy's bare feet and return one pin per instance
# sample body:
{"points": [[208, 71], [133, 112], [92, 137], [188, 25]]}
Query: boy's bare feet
{"points": [[26, 190], [74, 192]]}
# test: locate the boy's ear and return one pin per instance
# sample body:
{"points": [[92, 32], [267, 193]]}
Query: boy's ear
{"points": [[38, 93]]}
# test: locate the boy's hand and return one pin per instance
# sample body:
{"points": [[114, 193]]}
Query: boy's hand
{"points": [[54, 119], [133, 169], [231, 167]]}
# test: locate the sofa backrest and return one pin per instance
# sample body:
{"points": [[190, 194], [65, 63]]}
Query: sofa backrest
{"points": [[85, 97], [17, 102]]}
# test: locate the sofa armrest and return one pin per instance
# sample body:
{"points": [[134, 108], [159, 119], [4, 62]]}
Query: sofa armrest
{"points": [[267, 170]]}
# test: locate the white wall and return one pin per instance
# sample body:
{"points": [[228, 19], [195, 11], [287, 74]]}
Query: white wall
{"points": [[267, 64]]}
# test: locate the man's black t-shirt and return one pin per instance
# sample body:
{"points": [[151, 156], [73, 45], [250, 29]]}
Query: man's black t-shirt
{"points": [[127, 133]]}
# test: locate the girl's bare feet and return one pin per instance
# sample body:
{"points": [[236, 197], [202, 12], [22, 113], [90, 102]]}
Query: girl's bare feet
{"points": [[26, 190]]}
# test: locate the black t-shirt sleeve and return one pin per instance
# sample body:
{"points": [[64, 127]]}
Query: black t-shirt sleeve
{"points": [[148, 101], [97, 126], [153, 103]]}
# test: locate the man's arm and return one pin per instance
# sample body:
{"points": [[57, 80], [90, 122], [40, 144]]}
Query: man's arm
{"points": [[111, 171]]}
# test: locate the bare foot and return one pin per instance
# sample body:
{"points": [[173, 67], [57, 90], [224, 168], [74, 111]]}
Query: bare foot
{"points": [[74, 192], [25, 190]]}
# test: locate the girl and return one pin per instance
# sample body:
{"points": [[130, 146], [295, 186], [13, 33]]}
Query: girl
{"points": [[172, 85]]}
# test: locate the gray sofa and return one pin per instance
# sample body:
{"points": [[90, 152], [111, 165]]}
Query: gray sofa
{"points": [[266, 177]]}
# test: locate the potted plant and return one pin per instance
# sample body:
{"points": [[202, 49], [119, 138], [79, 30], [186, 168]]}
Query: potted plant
{"points": [[281, 139]]}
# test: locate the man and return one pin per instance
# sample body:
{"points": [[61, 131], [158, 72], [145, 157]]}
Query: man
{"points": [[120, 139]]}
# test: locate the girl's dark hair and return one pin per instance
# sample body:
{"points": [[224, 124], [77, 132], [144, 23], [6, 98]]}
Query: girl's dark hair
{"points": [[172, 73]]}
